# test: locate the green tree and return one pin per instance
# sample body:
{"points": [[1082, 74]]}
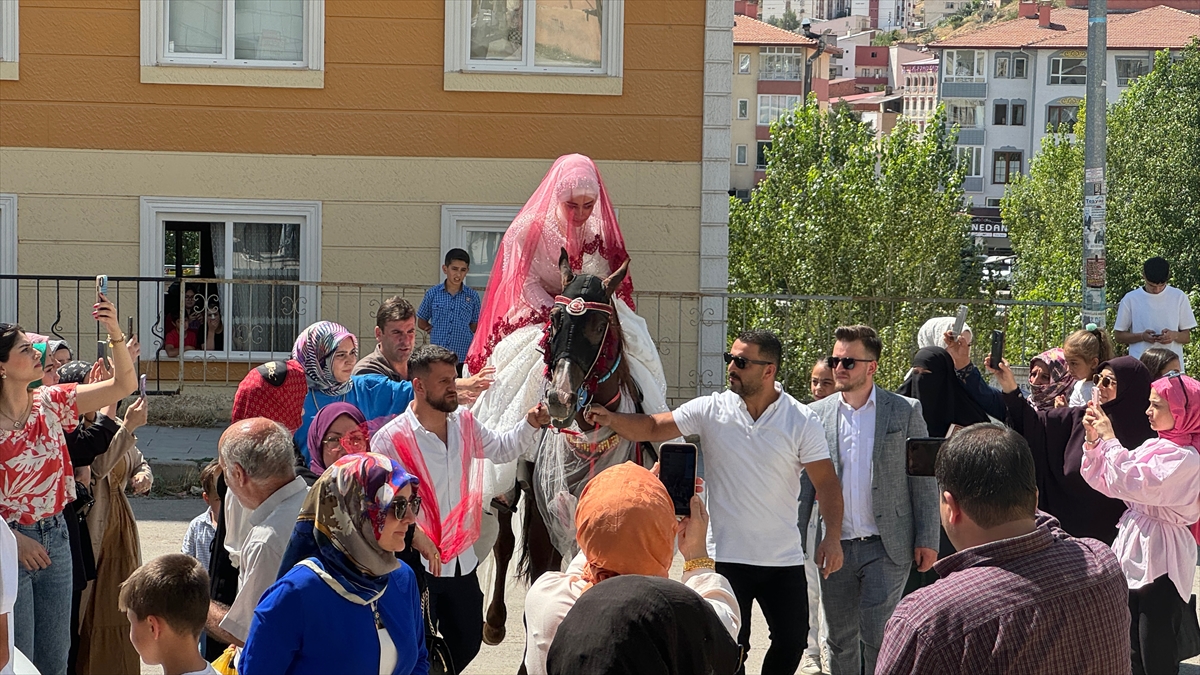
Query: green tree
{"points": [[789, 21], [841, 213]]}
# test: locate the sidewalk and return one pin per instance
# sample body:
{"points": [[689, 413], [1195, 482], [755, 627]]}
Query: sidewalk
{"points": [[176, 454]]}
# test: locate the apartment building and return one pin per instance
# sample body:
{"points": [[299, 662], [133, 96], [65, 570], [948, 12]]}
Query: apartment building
{"points": [[920, 82]]}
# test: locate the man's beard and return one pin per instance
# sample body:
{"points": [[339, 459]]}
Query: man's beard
{"points": [[446, 404], [743, 388]]}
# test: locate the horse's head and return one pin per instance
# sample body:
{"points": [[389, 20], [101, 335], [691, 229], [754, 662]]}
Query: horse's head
{"points": [[580, 347]]}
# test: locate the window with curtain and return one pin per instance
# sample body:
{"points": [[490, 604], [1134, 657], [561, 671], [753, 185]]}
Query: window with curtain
{"points": [[237, 31], [536, 34]]}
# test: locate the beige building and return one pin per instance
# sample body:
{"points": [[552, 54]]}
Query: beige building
{"points": [[313, 156]]}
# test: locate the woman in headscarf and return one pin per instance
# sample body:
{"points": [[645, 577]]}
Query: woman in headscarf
{"points": [[1056, 439], [338, 430], [938, 332], [328, 352], [944, 400], [625, 524], [349, 606], [1050, 378], [1158, 481], [640, 625]]}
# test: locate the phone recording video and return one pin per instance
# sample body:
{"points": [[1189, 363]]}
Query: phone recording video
{"points": [[921, 455], [677, 471]]}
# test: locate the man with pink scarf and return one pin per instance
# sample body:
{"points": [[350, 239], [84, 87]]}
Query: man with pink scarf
{"points": [[1160, 481]]}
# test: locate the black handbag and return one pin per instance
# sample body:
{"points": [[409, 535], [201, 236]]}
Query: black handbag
{"points": [[440, 662]]}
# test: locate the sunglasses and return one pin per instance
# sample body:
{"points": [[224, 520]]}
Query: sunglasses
{"points": [[1187, 403], [846, 362], [401, 505], [1103, 380], [741, 361], [352, 440]]}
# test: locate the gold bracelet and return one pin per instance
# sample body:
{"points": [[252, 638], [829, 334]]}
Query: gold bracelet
{"points": [[112, 340], [697, 563]]}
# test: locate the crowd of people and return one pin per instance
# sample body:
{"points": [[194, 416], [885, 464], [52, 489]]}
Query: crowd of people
{"points": [[345, 516]]}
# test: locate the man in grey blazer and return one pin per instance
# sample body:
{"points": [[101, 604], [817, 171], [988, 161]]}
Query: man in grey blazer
{"points": [[890, 519]]}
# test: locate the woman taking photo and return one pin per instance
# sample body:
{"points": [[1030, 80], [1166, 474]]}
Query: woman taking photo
{"points": [[349, 606], [37, 481]]}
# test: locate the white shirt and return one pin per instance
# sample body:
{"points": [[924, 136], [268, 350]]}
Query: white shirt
{"points": [[856, 448], [555, 593], [1140, 311], [1081, 393], [445, 465], [271, 526], [207, 671], [752, 473], [8, 589]]}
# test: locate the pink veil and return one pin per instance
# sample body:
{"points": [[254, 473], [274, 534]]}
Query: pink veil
{"points": [[521, 289]]}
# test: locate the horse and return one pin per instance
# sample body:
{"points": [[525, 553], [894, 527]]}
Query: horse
{"points": [[583, 351]]}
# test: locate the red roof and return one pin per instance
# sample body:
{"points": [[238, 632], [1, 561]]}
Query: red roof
{"points": [[747, 31], [1154, 28]]}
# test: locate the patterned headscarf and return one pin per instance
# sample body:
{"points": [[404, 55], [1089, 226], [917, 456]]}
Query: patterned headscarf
{"points": [[314, 350], [324, 419], [1182, 394], [342, 519], [625, 524], [1060, 383], [275, 391], [74, 372]]}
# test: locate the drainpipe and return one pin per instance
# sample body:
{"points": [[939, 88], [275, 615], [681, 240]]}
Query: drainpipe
{"points": [[809, 61]]}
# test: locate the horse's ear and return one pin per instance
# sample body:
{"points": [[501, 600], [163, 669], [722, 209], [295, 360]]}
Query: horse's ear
{"points": [[614, 280], [564, 267]]}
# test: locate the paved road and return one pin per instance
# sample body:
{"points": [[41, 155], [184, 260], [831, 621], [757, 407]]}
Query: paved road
{"points": [[163, 522]]}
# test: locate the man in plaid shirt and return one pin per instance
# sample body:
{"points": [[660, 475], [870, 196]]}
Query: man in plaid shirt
{"points": [[1020, 596]]}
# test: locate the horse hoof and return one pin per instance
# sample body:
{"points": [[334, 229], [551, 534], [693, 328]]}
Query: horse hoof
{"points": [[493, 636]]}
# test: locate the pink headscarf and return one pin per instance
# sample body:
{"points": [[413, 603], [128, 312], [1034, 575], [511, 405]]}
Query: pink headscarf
{"points": [[525, 276], [1182, 394]]}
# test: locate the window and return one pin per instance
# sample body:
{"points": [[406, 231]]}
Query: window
{"points": [[1000, 113], [743, 64], [1001, 65], [972, 158], [992, 201], [1020, 66], [965, 65], [740, 155], [1129, 70], [1065, 70], [771, 107], [781, 63], [8, 257], [967, 114], [743, 109], [241, 241], [9, 37], [761, 161], [1061, 118], [1018, 115], [477, 230], [1005, 166]]}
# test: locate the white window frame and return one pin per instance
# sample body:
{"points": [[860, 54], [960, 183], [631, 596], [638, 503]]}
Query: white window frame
{"points": [[458, 43], [757, 166], [455, 228], [974, 162], [744, 63], [741, 154], [977, 104], [155, 211], [1056, 63], [8, 257], [743, 108], [155, 41], [1024, 61], [979, 69], [769, 107], [10, 38], [1126, 81]]}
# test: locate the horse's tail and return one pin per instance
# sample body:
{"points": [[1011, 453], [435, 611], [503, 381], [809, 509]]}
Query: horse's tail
{"points": [[524, 567]]}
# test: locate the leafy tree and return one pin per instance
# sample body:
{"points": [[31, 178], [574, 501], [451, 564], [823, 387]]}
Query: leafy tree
{"points": [[843, 214], [789, 21]]}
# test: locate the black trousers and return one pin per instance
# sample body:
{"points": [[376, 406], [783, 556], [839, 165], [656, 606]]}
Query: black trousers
{"points": [[456, 609], [782, 594], [1156, 614]]}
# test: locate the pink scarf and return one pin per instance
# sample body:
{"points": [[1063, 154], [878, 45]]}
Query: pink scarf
{"points": [[1182, 394], [459, 529]]}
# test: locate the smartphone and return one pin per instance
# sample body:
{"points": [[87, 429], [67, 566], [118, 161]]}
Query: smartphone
{"points": [[102, 285], [142, 386], [101, 350], [677, 471], [960, 320], [997, 347], [921, 455], [129, 333]]}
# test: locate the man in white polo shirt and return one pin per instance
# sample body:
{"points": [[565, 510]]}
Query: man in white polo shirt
{"points": [[757, 441]]}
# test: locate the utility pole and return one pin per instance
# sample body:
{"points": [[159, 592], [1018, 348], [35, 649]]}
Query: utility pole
{"points": [[1094, 160]]}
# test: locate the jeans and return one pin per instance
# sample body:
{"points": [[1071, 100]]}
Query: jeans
{"points": [[859, 599], [783, 599], [42, 615]]}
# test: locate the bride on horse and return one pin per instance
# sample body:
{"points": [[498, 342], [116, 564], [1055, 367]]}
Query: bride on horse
{"points": [[571, 211]]}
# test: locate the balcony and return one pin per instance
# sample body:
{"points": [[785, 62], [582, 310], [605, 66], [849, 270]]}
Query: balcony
{"points": [[791, 73], [964, 90]]}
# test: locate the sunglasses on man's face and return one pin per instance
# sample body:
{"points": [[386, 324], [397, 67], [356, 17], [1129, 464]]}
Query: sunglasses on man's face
{"points": [[741, 362], [845, 361], [401, 505]]}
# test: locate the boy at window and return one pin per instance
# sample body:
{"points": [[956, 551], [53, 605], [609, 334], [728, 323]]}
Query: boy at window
{"points": [[450, 310]]}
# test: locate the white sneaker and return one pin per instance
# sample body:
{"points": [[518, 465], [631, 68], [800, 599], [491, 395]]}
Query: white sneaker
{"points": [[810, 665]]}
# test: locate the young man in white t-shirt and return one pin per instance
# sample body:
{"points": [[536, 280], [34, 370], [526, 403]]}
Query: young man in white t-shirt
{"points": [[757, 441], [1155, 314]]}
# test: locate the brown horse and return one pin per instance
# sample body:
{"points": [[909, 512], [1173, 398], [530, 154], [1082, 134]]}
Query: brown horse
{"points": [[583, 348]]}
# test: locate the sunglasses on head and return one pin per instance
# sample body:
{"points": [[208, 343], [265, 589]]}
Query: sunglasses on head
{"points": [[1187, 403], [845, 361], [401, 505], [1103, 380], [741, 361]]}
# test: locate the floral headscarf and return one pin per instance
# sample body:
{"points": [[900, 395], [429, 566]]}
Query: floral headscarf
{"points": [[625, 524], [314, 350], [74, 372], [1060, 383]]}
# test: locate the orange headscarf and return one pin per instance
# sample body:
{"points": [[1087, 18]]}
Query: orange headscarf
{"points": [[625, 524]]}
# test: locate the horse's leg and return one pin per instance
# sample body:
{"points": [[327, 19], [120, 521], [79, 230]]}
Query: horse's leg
{"points": [[497, 612], [543, 557]]}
